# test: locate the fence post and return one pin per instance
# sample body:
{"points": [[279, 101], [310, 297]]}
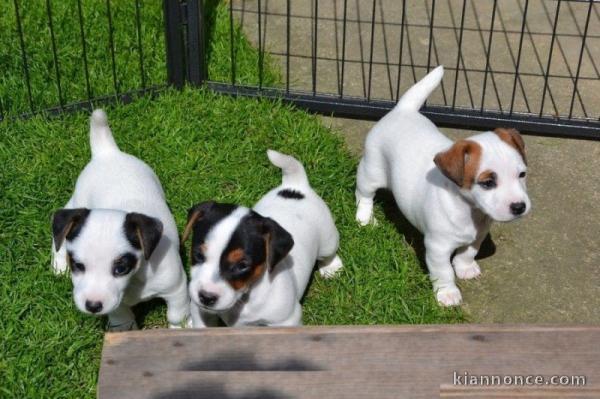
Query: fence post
{"points": [[174, 43], [196, 66]]}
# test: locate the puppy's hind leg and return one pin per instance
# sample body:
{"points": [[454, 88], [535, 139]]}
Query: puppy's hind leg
{"points": [[329, 267], [369, 177]]}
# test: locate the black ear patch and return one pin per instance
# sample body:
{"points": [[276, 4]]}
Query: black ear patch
{"points": [[290, 194], [67, 223], [143, 232], [279, 242]]}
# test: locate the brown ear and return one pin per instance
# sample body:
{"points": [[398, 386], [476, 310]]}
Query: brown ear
{"points": [[460, 162], [513, 138], [194, 213]]}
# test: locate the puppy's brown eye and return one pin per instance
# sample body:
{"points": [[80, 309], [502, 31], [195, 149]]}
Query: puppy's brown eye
{"points": [[124, 265], [522, 175], [487, 184]]}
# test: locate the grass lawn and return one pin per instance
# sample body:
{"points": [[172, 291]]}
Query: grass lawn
{"points": [[202, 146]]}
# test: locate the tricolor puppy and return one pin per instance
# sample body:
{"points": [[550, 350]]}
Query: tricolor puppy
{"points": [[118, 237], [450, 191], [252, 266]]}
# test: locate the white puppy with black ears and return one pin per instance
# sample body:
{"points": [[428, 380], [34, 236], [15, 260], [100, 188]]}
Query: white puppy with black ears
{"points": [[252, 266], [450, 191], [118, 237]]}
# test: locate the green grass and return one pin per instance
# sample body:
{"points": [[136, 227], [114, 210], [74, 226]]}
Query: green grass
{"points": [[202, 146]]}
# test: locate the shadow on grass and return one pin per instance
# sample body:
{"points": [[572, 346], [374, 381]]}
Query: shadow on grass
{"points": [[413, 237]]}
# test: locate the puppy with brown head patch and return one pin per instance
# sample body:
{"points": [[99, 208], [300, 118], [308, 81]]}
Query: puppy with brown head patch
{"points": [[252, 266], [450, 191]]}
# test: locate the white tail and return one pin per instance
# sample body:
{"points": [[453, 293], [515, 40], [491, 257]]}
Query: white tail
{"points": [[101, 138], [293, 171], [414, 98]]}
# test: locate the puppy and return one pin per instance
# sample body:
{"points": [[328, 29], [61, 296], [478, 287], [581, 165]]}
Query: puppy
{"points": [[450, 191], [252, 266], [118, 237]]}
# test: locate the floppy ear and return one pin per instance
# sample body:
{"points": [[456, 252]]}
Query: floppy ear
{"points": [[143, 232], [194, 214], [513, 138], [460, 162], [67, 223], [279, 241]]}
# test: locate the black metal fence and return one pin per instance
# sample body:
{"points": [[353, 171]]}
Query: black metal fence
{"points": [[531, 64]]}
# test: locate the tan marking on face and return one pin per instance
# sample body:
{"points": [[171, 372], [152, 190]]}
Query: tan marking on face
{"points": [[486, 175], [239, 284], [513, 138], [460, 162], [235, 256]]}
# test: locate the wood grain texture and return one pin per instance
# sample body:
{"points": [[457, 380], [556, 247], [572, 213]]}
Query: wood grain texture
{"points": [[346, 362]]}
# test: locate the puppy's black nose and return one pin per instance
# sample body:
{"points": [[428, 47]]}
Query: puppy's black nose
{"points": [[517, 208], [93, 307], [207, 299]]}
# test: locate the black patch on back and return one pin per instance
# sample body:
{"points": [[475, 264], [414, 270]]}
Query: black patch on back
{"points": [[150, 231], [290, 194], [213, 213]]}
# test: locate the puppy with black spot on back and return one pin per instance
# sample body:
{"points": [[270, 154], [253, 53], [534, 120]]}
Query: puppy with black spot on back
{"points": [[252, 266], [450, 191], [118, 237]]}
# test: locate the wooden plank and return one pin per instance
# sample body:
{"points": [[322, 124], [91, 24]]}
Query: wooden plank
{"points": [[341, 362]]}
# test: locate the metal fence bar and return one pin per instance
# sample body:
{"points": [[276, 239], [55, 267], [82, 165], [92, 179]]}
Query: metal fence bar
{"points": [[196, 68], [111, 43], [358, 108], [549, 63], [400, 51], [232, 50], [84, 52], [23, 55], [585, 32], [315, 47], [371, 51], [287, 43], [458, 58], [138, 25], [430, 35], [343, 47], [54, 54], [174, 44], [487, 56], [514, 91]]}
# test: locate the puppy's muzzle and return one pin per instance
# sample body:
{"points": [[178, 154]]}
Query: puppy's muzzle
{"points": [[517, 208], [93, 306], [206, 298]]}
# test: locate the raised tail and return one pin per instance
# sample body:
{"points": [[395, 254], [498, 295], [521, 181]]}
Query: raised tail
{"points": [[292, 169], [101, 138], [414, 98]]}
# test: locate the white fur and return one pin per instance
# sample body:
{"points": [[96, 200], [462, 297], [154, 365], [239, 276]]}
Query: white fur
{"points": [[111, 185], [274, 299], [399, 153]]}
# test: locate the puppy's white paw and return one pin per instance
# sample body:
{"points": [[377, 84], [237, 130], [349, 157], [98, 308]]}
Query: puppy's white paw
{"points": [[187, 323], [449, 296], [330, 270], [364, 213], [467, 272], [59, 263], [126, 326]]}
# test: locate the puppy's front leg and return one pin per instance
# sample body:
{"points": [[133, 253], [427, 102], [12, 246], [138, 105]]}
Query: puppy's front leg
{"points": [[122, 319], [464, 262], [202, 319], [178, 307], [437, 257]]}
